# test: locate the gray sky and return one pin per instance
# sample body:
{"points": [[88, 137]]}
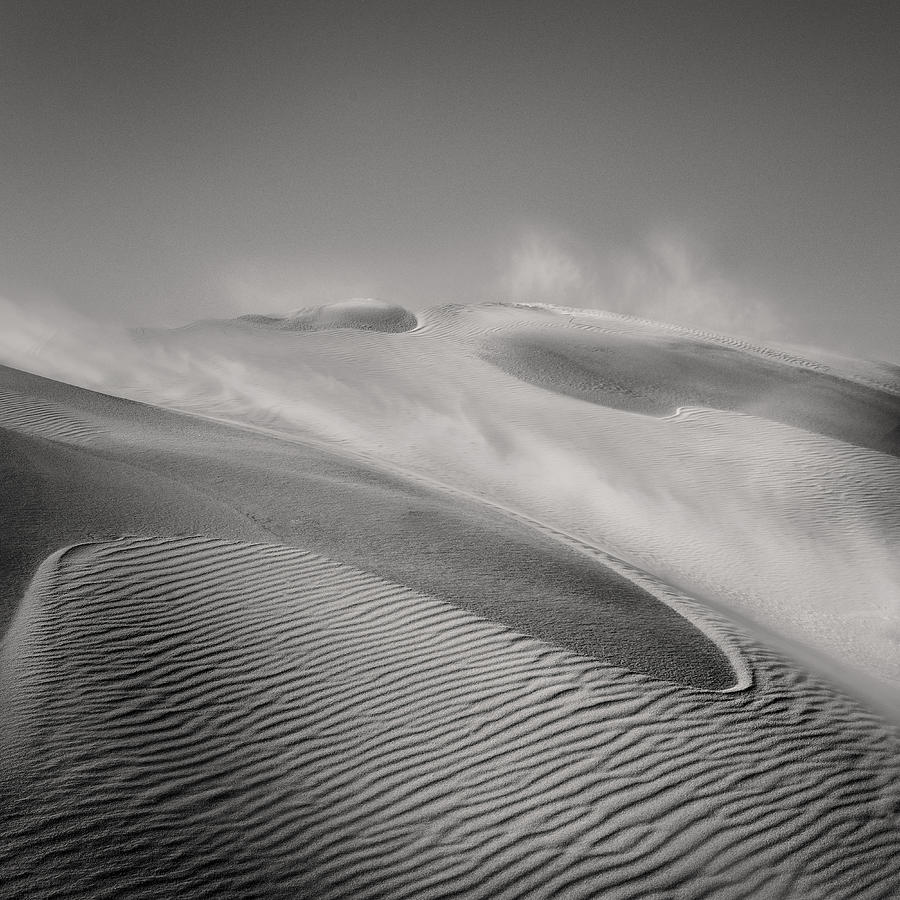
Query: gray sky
{"points": [[723, 162]]}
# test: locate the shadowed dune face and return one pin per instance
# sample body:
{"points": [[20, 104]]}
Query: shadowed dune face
{"points": [[154, 472], [656, 376], [360, 315], [195, 717]]}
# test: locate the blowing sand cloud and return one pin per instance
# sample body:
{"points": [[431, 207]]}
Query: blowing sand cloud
{"points": [[539, 268], [52, 340], [671, 279], [668, 277]]}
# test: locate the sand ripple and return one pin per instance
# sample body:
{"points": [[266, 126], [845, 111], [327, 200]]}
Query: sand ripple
{"points": [[31, 415], [193, 717]]}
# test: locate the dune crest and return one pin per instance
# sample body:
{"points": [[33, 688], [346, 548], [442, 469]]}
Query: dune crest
{"points": [[128, 467]]}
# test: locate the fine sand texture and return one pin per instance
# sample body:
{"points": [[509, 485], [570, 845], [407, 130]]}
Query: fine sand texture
{"points": [[481, 601]]}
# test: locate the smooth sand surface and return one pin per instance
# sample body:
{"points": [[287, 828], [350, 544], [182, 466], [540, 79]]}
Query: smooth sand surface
{"points": [[350, 611]]}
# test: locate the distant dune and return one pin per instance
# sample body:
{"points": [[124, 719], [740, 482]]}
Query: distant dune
{"points": [[659, 375], [482, 601], [362, 315]]}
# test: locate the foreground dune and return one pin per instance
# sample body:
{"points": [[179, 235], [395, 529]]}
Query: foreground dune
{"points": [[483, 601], [194, 716]]}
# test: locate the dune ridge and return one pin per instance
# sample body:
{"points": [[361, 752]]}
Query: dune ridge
{"points": [[257, 719], [493, 318], [586, 318]]}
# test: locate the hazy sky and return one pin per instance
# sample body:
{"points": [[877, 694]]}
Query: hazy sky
{"points": [[735, 163]]}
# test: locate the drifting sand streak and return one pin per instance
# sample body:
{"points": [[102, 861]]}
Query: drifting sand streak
{"points": [[194, 717]]}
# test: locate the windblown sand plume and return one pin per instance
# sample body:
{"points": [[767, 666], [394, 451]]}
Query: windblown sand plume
{"points": [[482, 601]]}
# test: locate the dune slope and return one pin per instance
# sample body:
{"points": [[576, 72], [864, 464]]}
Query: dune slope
{"points": [[202, 718], [159, 473]]}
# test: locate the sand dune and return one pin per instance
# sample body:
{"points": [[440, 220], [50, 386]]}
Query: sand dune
{"points": [[780, 503], [508, 601], [198, 717], [362, 315], [657, 376], [159, 472]]}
